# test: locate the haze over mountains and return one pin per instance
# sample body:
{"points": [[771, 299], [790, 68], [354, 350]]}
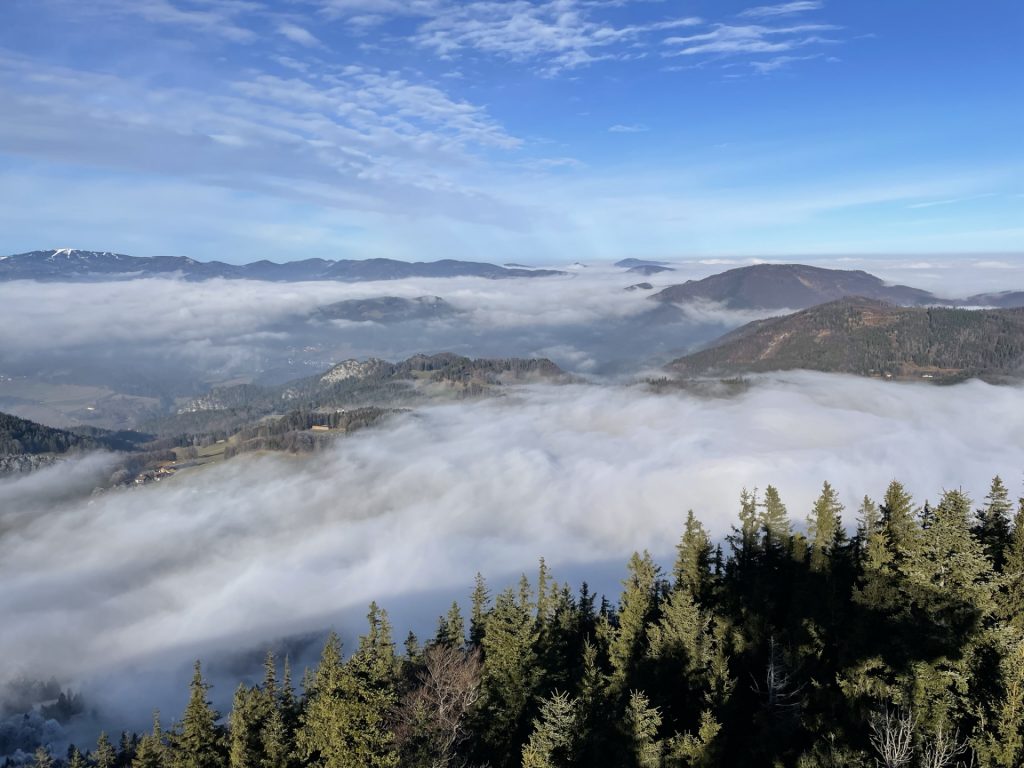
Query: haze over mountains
{"points": [[69, 264]]}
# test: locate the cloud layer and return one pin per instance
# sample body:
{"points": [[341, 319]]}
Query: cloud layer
{"points": [[262, 546]]}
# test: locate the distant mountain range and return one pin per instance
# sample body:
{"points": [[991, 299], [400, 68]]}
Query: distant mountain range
{"points": [[872, 338], [68, 265]]}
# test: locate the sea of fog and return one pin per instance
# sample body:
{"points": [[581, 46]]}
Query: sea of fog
{"points": [[116, 593]]}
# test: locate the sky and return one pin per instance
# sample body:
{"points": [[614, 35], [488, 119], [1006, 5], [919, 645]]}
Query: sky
{"points": [[535, 131]]}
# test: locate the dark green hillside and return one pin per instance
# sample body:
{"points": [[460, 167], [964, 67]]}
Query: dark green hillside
{"points": [[20, 437], [872, 338], [791, 643]]}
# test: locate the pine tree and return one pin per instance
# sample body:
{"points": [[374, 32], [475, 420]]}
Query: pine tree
{"points": [[197, 743], [510, 676], [545, 593], [823, 527], [104, 756], [642, 722], [901, 530], [636, 606], [480, 602], [692, 570], [1011, 596], [76, 759], [451, 629], [246, 748], [555, 740], [774, 521], [344, 722], [151, 752], [992, 526], [744, 541], [42, 758]]}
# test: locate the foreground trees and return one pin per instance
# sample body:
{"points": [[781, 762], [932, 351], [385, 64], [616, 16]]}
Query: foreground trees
{"points": [[902, 645]]}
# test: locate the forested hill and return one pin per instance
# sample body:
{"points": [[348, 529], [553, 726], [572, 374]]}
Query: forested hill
{"points": [[790, 286], [872, 338], [902, 645], [354, 384], [20, 437]]}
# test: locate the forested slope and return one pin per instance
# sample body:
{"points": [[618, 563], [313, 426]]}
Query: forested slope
{"points": [[902, 644], [867, 337]]}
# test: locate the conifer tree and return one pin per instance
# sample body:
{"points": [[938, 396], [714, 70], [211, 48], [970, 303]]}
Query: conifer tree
{"points": [[992, 525], [692, 570], [42, 758], [197, 742], [246, 748], [151, 752], [545, 593], [510, 674], [1011, 595], [104, 756], [637, 605], [480, 602], [823, 527], [774, 521], [554, 742], [901, 530], [344, 723], [451, 629], [642, 722], [745, 539], [76, 759]]}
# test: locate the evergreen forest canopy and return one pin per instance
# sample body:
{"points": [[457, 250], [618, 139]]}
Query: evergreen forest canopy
{"points": [[901, 645]]}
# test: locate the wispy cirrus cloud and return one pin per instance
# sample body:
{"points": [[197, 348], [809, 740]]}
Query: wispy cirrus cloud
{"points": [[349, 137], [219, 18], [628, 128], [783, 9], [556, 35], [727, 39]]}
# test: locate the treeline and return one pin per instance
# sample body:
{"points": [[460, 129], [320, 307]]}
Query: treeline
{"points": [[291, 431], [901, 645], [23, 437]]}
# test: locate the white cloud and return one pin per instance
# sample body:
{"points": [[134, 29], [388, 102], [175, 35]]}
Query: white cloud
{"points": [[299, 35], [555, 35], [779, 62], [728, 39], [154, 577], [784, 9], [628, 128]]}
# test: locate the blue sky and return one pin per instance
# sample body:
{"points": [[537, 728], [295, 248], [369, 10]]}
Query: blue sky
{"points": [[512, 130]]}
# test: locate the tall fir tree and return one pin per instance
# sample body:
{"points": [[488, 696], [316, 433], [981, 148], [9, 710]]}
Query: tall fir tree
{"points": [[774, 521], [692, 570], [992, 523], [636, 607], [197, 742], [823, 527], [104, 756]]}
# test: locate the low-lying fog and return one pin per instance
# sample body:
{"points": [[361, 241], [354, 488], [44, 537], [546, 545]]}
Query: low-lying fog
{"points": [[107, 353], [116, 593]]}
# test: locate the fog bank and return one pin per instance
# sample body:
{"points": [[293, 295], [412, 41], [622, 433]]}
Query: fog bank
{"points": [[265, 546]]}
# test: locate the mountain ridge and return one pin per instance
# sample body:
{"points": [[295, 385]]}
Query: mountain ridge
{"points": [[790, 286], [868, 337], [73, 265]]}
